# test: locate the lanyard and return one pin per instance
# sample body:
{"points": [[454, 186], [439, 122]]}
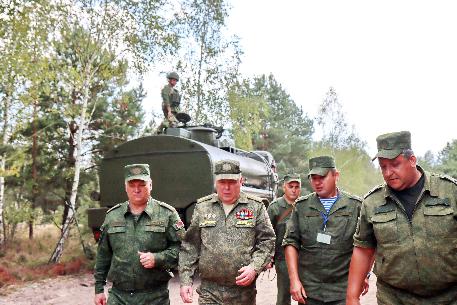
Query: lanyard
{"points": [[325, 218]]}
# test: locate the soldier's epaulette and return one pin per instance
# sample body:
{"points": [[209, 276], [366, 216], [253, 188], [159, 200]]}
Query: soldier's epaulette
{"points": [[375, 189], [114, 207], [166, 205], [446, 177], [255, 198], [302, 198], [352, 196], [206, 198]]}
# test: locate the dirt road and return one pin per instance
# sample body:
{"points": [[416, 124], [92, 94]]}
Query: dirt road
{"points": [[79, 290]]}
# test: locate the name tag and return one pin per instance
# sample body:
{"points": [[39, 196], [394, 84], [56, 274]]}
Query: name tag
{"points": [[323, 238]]}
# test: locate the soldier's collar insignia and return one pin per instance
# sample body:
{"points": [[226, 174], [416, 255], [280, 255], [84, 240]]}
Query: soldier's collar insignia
{"points": [[244, 214]]}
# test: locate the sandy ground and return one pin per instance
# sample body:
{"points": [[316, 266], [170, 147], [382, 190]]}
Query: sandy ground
{"points": [[79, 290]]}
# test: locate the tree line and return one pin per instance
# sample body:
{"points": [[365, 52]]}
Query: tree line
{"points": [[66, 99]]}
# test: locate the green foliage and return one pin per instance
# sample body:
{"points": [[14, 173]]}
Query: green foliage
{"points": [[208, 62], [333, 126], [246, 112], [358, 175], [285, 129], [448, 159]]}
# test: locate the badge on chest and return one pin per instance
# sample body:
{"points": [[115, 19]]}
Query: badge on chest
{"points": [[323, 238]]}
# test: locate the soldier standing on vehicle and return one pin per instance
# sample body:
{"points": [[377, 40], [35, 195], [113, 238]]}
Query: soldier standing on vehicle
{"points": [[171, 100], [410, 224], [138, 246], [279, 213], [230, 240], [318, 238]]}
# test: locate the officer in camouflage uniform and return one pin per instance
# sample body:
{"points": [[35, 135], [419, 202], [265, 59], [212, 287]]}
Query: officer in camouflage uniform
{"points": [[230, 240], [410, 224], [279, 213], [138, 246], [318, 238], [170, 102]]}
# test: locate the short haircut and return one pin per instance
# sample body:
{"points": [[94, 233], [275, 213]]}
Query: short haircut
{"points": [[407, 153]]}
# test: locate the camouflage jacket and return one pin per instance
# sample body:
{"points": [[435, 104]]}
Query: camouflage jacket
{"points": [[275, 210], [158, 230], [220, 245], [323, 268], [418, 256], [171, 96]]}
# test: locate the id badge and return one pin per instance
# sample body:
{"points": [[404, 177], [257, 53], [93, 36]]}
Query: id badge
{"points": [[323, 238]]}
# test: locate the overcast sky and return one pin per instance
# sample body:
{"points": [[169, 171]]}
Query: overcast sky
{"points": [[393, 64]]}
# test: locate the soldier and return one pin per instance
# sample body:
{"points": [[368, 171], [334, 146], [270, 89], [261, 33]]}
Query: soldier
{"points": [[230, 240], [170, 102], [410, 224], [138, 246], [279, 213], [318, 239]]}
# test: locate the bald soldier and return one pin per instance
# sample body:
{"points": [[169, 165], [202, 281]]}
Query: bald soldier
{"points": [[318, 239], [138, 246], [279, 213], [230, 241], [409, 223]]}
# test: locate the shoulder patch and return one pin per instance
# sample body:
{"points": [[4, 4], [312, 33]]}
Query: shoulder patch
{"points": [[255, 198], [302, 198], [166, 205], [374, 190], [206, 198], [352, 196], [448, 178], [114, 207]]}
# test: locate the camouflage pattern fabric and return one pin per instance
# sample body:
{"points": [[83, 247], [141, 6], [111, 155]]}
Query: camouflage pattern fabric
{"points": [[323, 268], [275, 210], [418, 257], [282, 283], [171, 97], [158, 230], [388, 295], [213, 294], [219, 246], [158, 297]]}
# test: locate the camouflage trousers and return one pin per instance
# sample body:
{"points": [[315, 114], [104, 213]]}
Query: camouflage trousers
{"points": [[153, 297], [214, 294], [282, 282], [388, 295], [310, 301]]}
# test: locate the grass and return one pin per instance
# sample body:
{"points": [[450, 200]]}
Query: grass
{"points": [[27, 260]]}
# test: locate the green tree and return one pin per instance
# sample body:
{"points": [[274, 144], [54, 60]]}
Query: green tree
{"points": [[332, 124], [285, 129], [358, 175], [448, 159], [208, 62]]}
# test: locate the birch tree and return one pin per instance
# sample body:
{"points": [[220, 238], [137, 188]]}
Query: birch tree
{"points": [[132, 30]]}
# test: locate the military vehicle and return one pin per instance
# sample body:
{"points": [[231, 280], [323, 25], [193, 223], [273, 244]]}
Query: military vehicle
{"points": [[181, 162]]}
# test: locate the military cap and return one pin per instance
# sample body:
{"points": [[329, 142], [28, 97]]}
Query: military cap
{"points": [[291, 178], [227, 169], [173, 75], [390, 145], [137, 172], [321, 165]]}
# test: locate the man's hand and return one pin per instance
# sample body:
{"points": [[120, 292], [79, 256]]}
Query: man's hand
{"points": [[147, 259], [186, 294], [100, 299], [366, 285], [297, 291], [246, 277]]}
